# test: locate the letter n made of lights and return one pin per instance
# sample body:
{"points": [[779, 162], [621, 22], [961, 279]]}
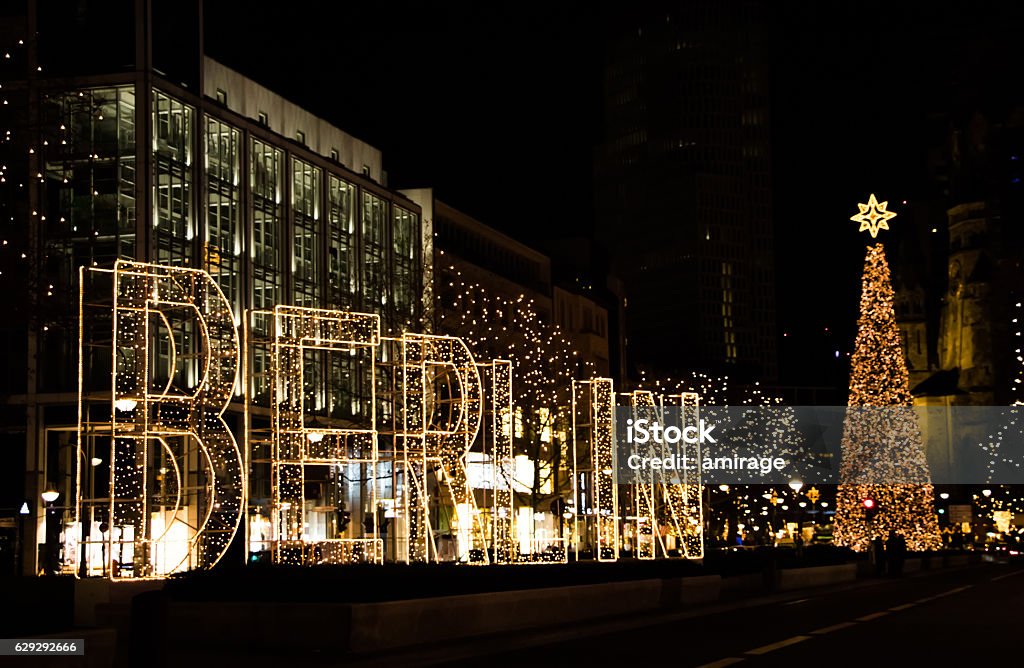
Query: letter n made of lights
{"points": [[667, 496], [160, 481]]}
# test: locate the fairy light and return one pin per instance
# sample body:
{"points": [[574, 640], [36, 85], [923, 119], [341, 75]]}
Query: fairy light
{"points": [[878, 378], [674, 496], [993, 446], [596, 492], [297, 445], [194, 531], [502, 461], [545, 361]]}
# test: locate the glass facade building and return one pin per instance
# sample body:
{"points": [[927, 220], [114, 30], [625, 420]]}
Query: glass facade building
{"points": [[133, 166]]}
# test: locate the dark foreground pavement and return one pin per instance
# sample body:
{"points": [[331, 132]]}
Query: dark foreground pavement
{"points": [[965, 616], [960, 617]]}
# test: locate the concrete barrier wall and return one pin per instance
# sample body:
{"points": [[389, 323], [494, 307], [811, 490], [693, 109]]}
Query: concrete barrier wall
{"points": [[94, 596], [362, 627], [816, 576], [951, 560], [749, 583], [365, 627], [393, 624]]}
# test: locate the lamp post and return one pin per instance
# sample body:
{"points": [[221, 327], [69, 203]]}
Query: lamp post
{"points": [[49, 497], [19, 558]]}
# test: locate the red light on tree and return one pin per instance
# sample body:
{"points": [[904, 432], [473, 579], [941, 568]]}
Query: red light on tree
{"points": [[869, 503]]}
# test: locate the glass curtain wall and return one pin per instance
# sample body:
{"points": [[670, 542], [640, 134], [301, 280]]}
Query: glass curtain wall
{"points": [[306, 234], [406, 281], [266, 180], [222, 247], [173, 218], [88, 209], [375, 269]]}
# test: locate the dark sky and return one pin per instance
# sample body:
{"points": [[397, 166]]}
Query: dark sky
{"points": [[496, 106], [499, 107]]}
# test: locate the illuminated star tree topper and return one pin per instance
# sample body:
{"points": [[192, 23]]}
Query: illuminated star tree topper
{"points": [[873, 216]]}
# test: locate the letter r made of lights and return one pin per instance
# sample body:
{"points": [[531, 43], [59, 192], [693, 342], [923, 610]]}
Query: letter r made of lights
{"points": [[442, 410], [160, 477]]}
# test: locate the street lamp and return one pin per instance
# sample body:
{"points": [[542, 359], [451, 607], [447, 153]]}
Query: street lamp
{"points": [[49, 497], [796, 485], [986, 492], [944, 495]]}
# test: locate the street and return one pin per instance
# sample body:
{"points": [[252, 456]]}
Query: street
{"points": [[960, 616]]}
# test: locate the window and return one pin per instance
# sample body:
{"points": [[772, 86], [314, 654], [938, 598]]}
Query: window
{"points": [[266, 180], [335, 156], [222, 97], [263, 119], [305, 246], [342, 258], [172, 187], [300, 137], [374, 228], [223, 248], [366, 170], [406, 270]]}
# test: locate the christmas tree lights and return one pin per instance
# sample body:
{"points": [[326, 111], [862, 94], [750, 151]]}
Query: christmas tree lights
{"points": [[883, 454]]}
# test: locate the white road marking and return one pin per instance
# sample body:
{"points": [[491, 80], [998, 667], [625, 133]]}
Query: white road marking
{"points": [[873, 615], [945, 593], [799, 600], [778, 645], [1008, 575], [721, 663], [834, 627], [897, 608]]}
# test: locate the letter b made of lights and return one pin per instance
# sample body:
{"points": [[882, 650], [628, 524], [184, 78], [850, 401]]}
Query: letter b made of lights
{"points": [[160, 479]]}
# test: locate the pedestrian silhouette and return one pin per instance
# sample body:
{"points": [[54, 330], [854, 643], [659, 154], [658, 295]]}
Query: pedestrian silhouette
{"points": [[878, 555], [896, 552]]}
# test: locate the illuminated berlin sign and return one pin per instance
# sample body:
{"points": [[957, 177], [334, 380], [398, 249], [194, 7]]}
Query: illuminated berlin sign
{"points": [[162, 484]]}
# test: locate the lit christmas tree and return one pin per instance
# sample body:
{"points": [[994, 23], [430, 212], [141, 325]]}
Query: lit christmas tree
{"points": [[885, 482]]}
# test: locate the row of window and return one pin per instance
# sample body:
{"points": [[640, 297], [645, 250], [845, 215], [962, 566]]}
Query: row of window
{"points": [[317, 239]]}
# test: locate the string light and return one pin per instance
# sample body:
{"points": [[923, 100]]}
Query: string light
{"points": [[176, 400], [879, 445], [993, 446], [596, 492]]}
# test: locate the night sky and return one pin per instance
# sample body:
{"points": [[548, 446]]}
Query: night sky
{"points": [[500, 108]]}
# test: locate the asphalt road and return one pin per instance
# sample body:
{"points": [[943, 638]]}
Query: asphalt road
{"points": [[958, 617]]}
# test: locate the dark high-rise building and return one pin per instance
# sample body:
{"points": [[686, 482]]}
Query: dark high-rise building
{"points": [[683, 182]]}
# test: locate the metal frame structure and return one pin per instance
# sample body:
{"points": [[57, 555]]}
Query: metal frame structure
{"points": [[175, 480], [296, 444], [594, 461]]}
